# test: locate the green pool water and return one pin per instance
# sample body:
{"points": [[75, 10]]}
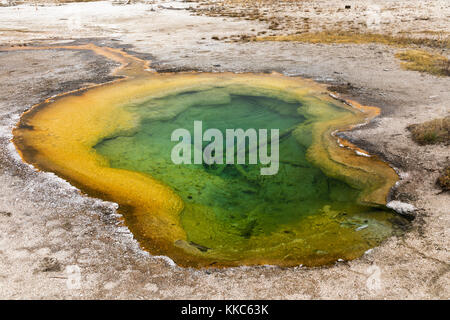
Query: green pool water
{"points": [[233, 212]]}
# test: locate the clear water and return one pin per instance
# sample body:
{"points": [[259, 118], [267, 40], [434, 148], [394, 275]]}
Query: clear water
{"points": [[231, 211]]}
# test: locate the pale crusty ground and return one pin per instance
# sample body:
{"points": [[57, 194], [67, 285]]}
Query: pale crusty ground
{"points": [[44, 217], [416, 18]]}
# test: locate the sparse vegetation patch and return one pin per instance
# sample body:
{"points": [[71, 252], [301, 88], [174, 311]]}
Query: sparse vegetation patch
{"points": [[444, 180], [359, 38], [423, 61], [431, 132]]}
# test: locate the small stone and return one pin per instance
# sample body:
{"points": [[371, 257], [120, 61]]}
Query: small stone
{"points": [[402, 208], [151, 287]]}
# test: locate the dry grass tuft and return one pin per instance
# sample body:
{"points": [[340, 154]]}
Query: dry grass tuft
{"points": [[444, 180], [359, 38], [431, 132], [418, 60], [423, 61]]}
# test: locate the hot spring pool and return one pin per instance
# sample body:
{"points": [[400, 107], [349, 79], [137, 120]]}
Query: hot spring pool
{"points": [[114, 142]]}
